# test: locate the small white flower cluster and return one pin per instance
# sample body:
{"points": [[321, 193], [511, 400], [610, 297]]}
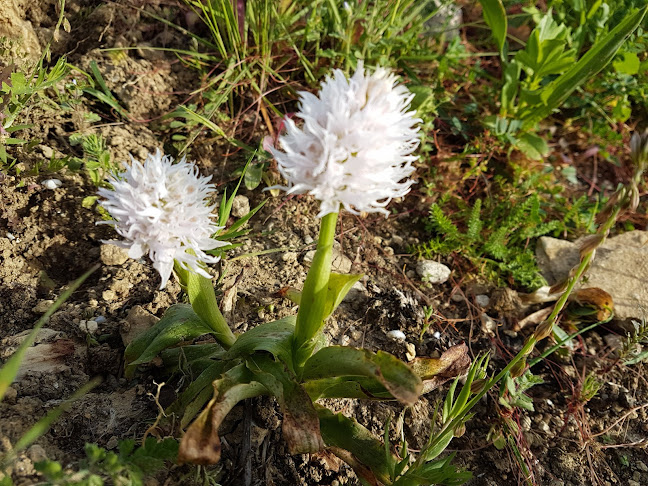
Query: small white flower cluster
{"points": [[356, 143], [159, 208]]}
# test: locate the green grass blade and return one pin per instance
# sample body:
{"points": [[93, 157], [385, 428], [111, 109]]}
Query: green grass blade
{"points": [[43, 425], [594, 60], [10, 369]]}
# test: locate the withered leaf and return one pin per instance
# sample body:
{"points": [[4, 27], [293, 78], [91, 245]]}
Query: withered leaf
{"points": [[436, 371]]}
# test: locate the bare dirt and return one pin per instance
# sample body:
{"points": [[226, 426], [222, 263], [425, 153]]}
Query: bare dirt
{"points": [[47, 239]]}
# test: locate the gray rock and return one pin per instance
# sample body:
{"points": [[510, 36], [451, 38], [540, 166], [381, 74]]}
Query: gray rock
{"points": [[340, 264], [113, 255], [240, 206], [620, 267], [137, 321], [482, 300], [42, 306], [433, 272]]}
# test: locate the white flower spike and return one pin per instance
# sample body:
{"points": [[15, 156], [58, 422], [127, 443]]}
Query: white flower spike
{"points": [[356, 143], [160, 208]]}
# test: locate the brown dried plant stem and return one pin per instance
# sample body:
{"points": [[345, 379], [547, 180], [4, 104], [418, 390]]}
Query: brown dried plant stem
{"points": [[519, 361]]}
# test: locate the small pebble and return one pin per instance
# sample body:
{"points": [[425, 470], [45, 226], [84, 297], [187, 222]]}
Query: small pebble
{"points": [[482, 300], [240, 206], [52, 184], [488, 324], [90, 327], [457, 297], [410, 354], [10, 236], [433, 272], [308, 239], [436, 335], [37, 453], [289, 257], [108, 295], [42, 306], [99, 319], [396, 335], [113, 255]]}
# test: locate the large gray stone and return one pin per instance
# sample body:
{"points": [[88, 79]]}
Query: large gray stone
{"points": [[620, 267]]}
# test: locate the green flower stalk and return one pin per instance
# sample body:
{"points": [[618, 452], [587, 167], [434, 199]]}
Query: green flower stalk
{"points": [[310, 317], [160, 209], [354, 151]]}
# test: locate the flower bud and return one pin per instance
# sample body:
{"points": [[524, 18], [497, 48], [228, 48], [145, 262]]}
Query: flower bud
{"points": [[543, 331], [518, 368], [460, 430], [477, 385], [639, 148]]}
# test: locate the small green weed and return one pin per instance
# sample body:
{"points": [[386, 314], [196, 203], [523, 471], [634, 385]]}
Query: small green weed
{"points": [[500, 242], [130, 466], [97, 160]]}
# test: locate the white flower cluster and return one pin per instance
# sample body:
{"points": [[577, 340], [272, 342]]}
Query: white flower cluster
{"points": [[356, 143], [159, 208]]}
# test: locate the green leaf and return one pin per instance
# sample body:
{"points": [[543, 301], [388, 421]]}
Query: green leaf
{"points": [[346, 433], [300, 424], [195, 388], [203, 301], [393, 374], [201, 444], [180, 323], [495, 17], [338, 287], [596, 58], [253, 176], [347, 387], [150, 457], [274, 337], [532, 145], [441, 471], [627, 63]]}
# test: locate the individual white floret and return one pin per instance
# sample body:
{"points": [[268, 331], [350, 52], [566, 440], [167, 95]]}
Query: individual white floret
{"points": [[355, 145], [160, 209]]}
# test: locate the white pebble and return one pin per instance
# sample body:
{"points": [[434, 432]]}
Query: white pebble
{"points": [[99, 319], [52, 184], [436, 335], [10, 236], [396, 335], [433, 272]]}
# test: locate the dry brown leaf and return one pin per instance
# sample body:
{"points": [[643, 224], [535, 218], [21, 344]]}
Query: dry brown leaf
{"points": [[436, 371]]}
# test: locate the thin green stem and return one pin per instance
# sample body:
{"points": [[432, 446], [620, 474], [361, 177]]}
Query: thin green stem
{"points": [[310, 317]]}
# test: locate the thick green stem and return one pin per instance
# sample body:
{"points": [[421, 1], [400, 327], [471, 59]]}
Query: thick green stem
{"points": [[310, 318]]}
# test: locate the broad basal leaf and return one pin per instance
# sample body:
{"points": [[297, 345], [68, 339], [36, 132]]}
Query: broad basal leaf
{"points": [[274, 337], [387, 370], [180, 323], [201, 443], [345, 433], [300, 423]]}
